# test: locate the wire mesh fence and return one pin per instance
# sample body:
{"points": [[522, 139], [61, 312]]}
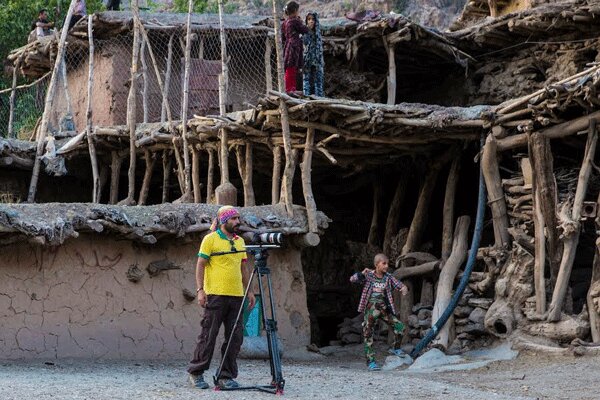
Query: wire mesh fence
{"points": [[251, 72]]}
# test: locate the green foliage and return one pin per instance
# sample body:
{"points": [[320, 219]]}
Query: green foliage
{"points": [[17, 16], [205, 6]]}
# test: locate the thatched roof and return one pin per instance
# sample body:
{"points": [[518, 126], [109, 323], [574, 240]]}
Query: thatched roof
{"points": [[53, 223]]}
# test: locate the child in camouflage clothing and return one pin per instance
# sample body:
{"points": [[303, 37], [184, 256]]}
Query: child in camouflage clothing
{"points": [[377, 302]]}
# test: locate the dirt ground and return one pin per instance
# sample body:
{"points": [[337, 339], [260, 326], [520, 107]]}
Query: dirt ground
{"points": [[527, 377]]}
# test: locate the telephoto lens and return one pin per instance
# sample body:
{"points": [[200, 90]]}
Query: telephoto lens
{"points": [[271, 238]]}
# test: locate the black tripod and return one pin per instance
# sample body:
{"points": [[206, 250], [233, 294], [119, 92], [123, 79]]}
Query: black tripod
{"points": [[270, 324]]}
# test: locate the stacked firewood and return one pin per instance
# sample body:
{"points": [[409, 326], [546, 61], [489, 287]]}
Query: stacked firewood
{"points": [[519, 203], [350, 330]]}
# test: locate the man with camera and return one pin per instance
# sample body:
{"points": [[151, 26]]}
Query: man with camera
{"points": [[221, 277]]}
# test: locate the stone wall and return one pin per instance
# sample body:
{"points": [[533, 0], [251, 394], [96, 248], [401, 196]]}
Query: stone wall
{"points": [[75, 300]]}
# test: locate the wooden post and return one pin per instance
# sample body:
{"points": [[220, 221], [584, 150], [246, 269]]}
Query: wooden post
{"points": [[145, 79], [391, 80], [594, 290], [268, 73], [276, 179], [150, 159], [540, 154], [165, 90], [115, 175], [540, 252], [90, 138], [196, 175], [306, 170], [184, 108], [448, 214], [493, 183], [47, 107], [13, 92], [572, 227], [447, 277], [131, 104], [493, 6], [63, 69], [210, 178], [225, 193], [393, 217], [166, 162], [285, 125], [373, 238]]}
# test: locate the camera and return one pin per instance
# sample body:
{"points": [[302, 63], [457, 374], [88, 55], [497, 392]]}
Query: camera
{"points": [[268, 238]]}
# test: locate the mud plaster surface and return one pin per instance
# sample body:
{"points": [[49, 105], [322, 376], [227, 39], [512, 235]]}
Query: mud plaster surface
{"points": [[76, 301]]}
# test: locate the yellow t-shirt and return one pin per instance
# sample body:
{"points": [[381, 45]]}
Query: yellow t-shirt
{"points": [[223, 273]]}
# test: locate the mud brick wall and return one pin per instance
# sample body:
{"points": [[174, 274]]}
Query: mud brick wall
{"points": [[75, 300]]}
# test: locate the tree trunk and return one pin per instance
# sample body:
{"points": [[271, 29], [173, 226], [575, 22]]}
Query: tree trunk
{"points": [[285, 125], [493, 183], [572, 227], [187, 182], [196, 175], [131, 104], [306, 170], [145, 80], [540, 254], [150, 159], [90, 138], [393, 218], [166, 162], [391, 80], [373, 238], [446, 280], [543, 172], [47, 107], [448, 215], [276, 180]]}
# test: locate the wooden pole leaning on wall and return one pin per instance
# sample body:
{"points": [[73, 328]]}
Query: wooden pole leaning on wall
{"points": [[210, 195], [47, 107], [13, 93], [276, 179], [594, 291], [306, 171], [286, 182], [115, 174], [187, 195], [571, 225], [90, 137], [226, 193], [144, 44], [493, 183], [268, 69], [132, 106], [446, 280]]}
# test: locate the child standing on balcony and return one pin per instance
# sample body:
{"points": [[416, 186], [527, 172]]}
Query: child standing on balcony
{"points": [[291, 30], [313, 57]]}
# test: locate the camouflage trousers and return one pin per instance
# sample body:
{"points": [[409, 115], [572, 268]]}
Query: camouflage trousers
{"points": [[373, 313]]}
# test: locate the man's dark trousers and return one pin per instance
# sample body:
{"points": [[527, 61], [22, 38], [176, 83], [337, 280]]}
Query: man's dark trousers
{"points": [[219, 310]]}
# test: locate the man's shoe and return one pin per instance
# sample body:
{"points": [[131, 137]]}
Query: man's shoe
{"points": [[198, 381], [373, 366], [227, 383]]}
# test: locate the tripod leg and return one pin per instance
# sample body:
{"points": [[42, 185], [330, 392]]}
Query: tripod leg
{"points": [[237, 320]]}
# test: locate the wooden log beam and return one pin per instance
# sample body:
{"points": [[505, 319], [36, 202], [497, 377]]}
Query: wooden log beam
{"points": [[446, 280], [419, 270], [493, 183], [573, 227]]}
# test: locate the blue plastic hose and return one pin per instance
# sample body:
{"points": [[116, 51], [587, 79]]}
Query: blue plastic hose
{"points": [[432, 333]]}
